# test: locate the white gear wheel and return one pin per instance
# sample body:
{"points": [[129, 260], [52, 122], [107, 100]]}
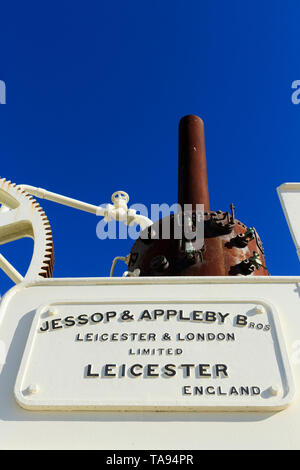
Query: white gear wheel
{"points": [[21, 216]]}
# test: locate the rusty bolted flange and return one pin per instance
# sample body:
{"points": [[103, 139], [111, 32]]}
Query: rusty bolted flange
{"points": [[228, 245]]}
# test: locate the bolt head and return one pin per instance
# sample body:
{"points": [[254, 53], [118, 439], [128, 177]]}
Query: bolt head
{"points": [[159, 262]]}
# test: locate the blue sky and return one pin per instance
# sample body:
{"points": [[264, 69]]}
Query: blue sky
{"points": [[95, 91]]}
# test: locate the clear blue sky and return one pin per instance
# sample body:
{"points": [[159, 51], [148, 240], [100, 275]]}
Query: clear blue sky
{"points": [[95, 91]]}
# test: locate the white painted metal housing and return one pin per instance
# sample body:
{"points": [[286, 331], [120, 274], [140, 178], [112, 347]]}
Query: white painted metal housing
{"points": [[100, 429]]}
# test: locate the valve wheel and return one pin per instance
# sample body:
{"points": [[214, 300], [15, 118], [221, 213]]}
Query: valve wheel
{"points": [[119, 196], [21, 216]]}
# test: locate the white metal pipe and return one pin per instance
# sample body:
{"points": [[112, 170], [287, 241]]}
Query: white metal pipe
{"points": [[64, 200], [11, 272], [41, 193]]}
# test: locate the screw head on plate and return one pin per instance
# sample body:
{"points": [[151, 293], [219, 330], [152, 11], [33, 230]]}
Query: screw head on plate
{"points": [[274, 390], [52, 311], [32, 389], [259, 309]]}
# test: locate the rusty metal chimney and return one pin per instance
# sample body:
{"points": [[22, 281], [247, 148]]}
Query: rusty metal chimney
{"points": [[192, 171]]}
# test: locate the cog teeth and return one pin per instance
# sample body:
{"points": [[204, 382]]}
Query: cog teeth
{"points": [[46, 269], [47, 261], [44, 274]]}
